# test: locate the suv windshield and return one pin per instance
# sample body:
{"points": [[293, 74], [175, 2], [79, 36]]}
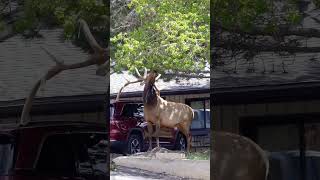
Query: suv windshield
{"points": [[6, 154]]}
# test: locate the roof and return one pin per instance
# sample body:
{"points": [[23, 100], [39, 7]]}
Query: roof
{"points": [[23, 62], [271, 69], [181, 84], [301, 70]]}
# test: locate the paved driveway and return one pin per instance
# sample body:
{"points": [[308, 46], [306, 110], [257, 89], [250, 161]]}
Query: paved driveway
{"points": [[124, 173]]}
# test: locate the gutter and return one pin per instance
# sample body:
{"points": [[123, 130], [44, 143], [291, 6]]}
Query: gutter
{"points": [[266, 93]]}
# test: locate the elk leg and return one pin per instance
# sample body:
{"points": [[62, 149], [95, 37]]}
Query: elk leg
{"points": [[185, 132], [149, 125], [157, 133]]}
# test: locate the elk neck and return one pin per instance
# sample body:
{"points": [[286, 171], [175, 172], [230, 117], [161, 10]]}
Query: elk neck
{"points": [[149, 94]]}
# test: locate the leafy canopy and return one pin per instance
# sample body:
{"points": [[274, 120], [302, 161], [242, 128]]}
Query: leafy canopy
{"points": [[247, 15], [173, 35], [65, 13]]}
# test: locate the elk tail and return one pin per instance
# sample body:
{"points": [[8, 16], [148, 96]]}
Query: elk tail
{"points": [[267, 168], [192, 114]]}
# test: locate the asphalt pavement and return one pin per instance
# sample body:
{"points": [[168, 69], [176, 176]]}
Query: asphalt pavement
{"points": [[124, 173]]}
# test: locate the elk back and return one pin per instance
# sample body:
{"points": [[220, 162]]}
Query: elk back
{"points": [[237, 158]]}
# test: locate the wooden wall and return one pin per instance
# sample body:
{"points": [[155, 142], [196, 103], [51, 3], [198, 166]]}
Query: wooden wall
{"points": [[226, 117]]}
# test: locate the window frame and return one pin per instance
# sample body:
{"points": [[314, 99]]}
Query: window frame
{"points": [[188, 101]]}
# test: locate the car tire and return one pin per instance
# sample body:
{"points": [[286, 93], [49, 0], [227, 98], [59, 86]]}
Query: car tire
{"points": [[134, 144], [181, 143]]}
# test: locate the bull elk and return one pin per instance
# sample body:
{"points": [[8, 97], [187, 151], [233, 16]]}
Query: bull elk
{"points": [[236, 157], [160, 112]]}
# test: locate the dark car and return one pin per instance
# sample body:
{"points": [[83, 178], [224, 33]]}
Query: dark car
{"points": [[286, 165], [53, 150], [128, 130]]}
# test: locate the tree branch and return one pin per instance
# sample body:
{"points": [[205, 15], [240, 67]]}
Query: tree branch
{"points": [[282, 31], [271, 47]]}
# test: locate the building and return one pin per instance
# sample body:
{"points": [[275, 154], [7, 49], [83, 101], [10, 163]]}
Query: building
{"points": [[272, 100], [73, 95]]}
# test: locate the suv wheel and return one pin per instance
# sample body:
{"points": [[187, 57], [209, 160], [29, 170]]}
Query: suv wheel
{"points": [[181, 143], [134, 144]]}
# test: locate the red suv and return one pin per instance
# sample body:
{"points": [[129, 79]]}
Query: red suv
{"points": [[128, 130], [53, 150]]}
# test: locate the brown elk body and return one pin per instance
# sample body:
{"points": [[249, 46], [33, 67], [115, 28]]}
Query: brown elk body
{"points": [[237, 158], [163, 113]]}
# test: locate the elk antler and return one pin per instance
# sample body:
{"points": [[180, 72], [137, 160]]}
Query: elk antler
{"points": [[89, 37], [158, 77], [145, 73], [140, 79], [126, 84], [101, 55]]}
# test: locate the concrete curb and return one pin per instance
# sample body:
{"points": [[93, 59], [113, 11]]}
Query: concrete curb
{"points": [[196, 169]]}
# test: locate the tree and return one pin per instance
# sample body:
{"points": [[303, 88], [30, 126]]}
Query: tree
{"points": [[169, 36], [244, 29], [87, 16]]}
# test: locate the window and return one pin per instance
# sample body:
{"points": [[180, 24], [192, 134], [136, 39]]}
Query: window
{"points": [[56, 156], [111, 111], [128, 110], [138, 113], [7, 149], [201, 109]]}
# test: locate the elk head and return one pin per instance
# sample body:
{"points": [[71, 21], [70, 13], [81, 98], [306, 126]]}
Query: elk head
{"points": [[152, 77]]}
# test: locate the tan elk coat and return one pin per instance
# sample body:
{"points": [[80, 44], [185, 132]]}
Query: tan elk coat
{"points": [[163, 113]]}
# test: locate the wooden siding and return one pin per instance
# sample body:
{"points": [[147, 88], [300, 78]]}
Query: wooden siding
{"points": [[226, 117]]}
